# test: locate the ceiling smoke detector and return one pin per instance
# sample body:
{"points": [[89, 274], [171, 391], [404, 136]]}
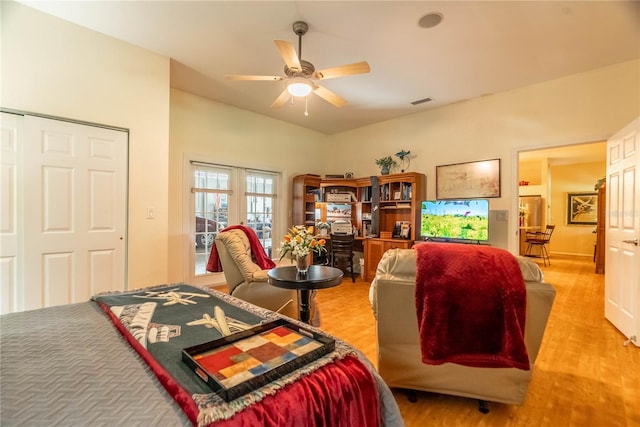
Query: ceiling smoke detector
{"points": [[430, 20]]}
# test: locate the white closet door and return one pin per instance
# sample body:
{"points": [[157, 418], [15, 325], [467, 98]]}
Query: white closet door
{"points": [[73, 212], [10, 261]]}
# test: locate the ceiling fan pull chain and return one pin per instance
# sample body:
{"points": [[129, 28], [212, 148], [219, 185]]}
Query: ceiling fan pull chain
{"points": [[306, 100]]}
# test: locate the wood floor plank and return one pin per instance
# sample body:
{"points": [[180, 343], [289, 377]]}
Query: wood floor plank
{"points": [[583, 376]]}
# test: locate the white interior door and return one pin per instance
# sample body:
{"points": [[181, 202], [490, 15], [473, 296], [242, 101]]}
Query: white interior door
{"points": [[622, 279], [72, 213]]}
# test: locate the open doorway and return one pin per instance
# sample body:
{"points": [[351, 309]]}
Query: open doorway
{"points": [[554, 174]]}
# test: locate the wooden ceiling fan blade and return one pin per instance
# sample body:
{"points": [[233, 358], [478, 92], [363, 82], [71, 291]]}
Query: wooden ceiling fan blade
{"points": [[329, 96], [288, 53], [249, 77], [343, 70], [281, 100]]}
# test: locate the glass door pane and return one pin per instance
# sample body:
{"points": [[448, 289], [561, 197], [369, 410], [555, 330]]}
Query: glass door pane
{"points": [[260, 194], [211, 207]]}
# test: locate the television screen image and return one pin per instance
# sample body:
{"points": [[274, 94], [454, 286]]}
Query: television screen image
{"points": [[455, 219]]}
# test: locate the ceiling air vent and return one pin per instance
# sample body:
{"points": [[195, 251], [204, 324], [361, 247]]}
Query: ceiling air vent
{"points": [[422, 101]]}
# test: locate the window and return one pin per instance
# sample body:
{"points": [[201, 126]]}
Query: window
{"points": [[216, 206]]}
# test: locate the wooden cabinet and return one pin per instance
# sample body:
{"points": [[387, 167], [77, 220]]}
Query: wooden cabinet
{"points": [[306, 191], [375, 248], [396, 201], [399, 198], [363, 207], [600, 248], [312, 195]]}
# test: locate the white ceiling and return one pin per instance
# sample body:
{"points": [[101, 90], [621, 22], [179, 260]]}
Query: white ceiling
{"points": [[480, 48]]}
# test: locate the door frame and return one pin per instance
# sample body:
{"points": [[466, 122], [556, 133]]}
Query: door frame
{"points": [[514, 242]]}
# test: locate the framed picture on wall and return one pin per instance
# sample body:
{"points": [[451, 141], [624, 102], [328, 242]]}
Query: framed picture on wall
{"points": [[582, 208], [468, 180]]}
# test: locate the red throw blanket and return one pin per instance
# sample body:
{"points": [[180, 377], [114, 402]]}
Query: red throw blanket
{"points": [[471, 306], [260, 257], [340, 394]]}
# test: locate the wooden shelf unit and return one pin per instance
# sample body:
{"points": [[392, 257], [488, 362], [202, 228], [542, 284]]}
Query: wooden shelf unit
{"points": [[306, 189], [397, 199], [363, 206]]}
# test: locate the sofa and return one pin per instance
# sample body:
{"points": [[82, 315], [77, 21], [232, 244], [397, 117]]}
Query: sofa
{"points": [[392, 296]]}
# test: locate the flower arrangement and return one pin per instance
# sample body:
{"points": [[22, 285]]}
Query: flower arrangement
{"points": [[300, 242]]}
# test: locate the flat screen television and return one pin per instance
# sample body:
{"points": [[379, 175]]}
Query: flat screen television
{"points": [[455, 220]]}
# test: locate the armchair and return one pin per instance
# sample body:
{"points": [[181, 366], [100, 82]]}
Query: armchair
{"points": [[392, 295], [247, 280]]}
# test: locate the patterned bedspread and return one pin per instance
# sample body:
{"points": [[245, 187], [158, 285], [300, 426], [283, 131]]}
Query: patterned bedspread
{"points": [[44, 383], [102, 381]]}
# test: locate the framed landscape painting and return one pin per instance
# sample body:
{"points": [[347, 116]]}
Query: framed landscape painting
{"points": [[468, 180], [582, 208]]}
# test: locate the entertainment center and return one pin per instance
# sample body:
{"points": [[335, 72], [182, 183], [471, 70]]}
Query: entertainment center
{"points": [[391, 212], [385, 210]]}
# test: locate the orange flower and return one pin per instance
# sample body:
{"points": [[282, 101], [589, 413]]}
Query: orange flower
{"points": [[299, 241]]}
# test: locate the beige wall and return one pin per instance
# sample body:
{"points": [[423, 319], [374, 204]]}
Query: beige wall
{"points": [[531, 172], [581, 108], [577, 178], [208, 131], [52, 67]]}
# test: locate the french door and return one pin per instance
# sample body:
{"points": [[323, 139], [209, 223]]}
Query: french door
{"points": [[223, 196]]}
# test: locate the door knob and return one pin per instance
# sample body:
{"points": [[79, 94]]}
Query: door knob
{"points": [[633, 242]]}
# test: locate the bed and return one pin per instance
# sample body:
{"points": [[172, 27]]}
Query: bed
{"points": [[81, 364]]}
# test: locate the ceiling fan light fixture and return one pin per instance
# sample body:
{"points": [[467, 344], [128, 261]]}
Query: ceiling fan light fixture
{"points": [[299, 86]]}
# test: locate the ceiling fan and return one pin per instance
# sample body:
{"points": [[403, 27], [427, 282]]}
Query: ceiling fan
{"points": [[300, 75]]}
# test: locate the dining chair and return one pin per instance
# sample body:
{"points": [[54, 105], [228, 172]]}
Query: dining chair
{"points": [[539, 239]]}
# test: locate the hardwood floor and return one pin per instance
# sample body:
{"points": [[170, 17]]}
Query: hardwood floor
{"points": [[583, 376]]}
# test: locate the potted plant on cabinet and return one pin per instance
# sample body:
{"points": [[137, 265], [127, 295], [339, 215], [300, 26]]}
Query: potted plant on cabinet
{"points": [[385, 164], [323, 228]]}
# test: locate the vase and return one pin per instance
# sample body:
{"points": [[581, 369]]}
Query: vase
{"points": [[384, 170], [302, 264]]}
